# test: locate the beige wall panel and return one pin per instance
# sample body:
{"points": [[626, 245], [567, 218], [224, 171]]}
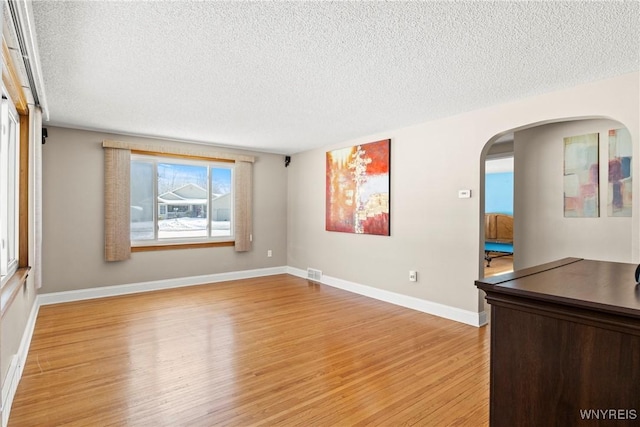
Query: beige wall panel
{"points": [[73, 222], [432, 230], [14, 323], [543, 233]]}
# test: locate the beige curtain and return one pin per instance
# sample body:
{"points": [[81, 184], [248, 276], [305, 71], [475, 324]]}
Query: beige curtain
{"points": [[243, 208], [117, 223], [35, 118]]}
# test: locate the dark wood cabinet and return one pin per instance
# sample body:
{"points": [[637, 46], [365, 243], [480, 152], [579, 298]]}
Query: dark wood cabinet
{"points": [[565, 345]]}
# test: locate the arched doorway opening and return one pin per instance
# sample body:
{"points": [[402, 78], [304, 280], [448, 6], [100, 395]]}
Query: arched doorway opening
{"points": [[543, 231], [498, 207]]}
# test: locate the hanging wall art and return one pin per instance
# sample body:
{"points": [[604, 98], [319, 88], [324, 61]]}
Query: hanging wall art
{"points": [[581, 177], [620, 183], [357, 189]]}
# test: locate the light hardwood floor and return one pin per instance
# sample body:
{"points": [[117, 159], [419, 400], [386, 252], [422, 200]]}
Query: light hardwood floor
{"points": [[269, 351], [499, 266]]}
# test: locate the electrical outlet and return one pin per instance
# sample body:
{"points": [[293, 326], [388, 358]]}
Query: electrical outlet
{"points": [[269, 253], [413, 276]]}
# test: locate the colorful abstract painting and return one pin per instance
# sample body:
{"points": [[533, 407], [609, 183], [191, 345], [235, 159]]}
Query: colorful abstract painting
{"points": [[620, 155], [358, 189], [581, 177]]}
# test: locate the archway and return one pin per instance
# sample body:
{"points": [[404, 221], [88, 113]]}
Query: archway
{"points": [[542, 232], [498, 207]]}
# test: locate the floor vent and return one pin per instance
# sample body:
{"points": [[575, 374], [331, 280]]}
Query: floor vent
{"points": [[313, 274]]}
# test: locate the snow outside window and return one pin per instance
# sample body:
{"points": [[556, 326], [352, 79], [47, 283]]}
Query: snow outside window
{"points": [[180, 201]]}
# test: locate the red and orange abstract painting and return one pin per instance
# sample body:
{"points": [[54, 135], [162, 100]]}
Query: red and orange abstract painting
{"points": [[358, 189]]}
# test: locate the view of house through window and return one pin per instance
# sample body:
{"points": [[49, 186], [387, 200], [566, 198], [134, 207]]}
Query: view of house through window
{"points": [[180, 200]]}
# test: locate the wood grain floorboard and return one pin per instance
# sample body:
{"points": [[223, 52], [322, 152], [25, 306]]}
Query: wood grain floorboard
{"points": [[499, 266], [271, 351]]}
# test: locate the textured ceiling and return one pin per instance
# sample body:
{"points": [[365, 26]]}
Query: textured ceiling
{"points": [[286, 77]]}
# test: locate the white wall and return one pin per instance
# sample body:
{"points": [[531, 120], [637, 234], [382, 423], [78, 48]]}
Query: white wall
{"points": [[541, 231], [432, 231]]}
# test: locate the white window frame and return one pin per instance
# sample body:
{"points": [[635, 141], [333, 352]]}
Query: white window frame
{"points": [[209, 164], [9, 188]]}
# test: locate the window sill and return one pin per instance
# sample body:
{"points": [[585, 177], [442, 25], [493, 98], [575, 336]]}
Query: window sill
{"points": [[152, 248], [11, 288]]}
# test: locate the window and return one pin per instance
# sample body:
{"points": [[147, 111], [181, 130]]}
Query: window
{"points": [[176, 200], [224, 170], [9, 181]]}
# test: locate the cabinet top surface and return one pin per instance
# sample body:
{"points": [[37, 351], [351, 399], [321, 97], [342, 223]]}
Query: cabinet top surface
{"points": [[601, 285]]}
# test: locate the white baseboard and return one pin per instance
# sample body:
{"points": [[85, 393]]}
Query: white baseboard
{"points": [[16, 367], [441, 310], [9, 388], [10, 385], [134, 288]]}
